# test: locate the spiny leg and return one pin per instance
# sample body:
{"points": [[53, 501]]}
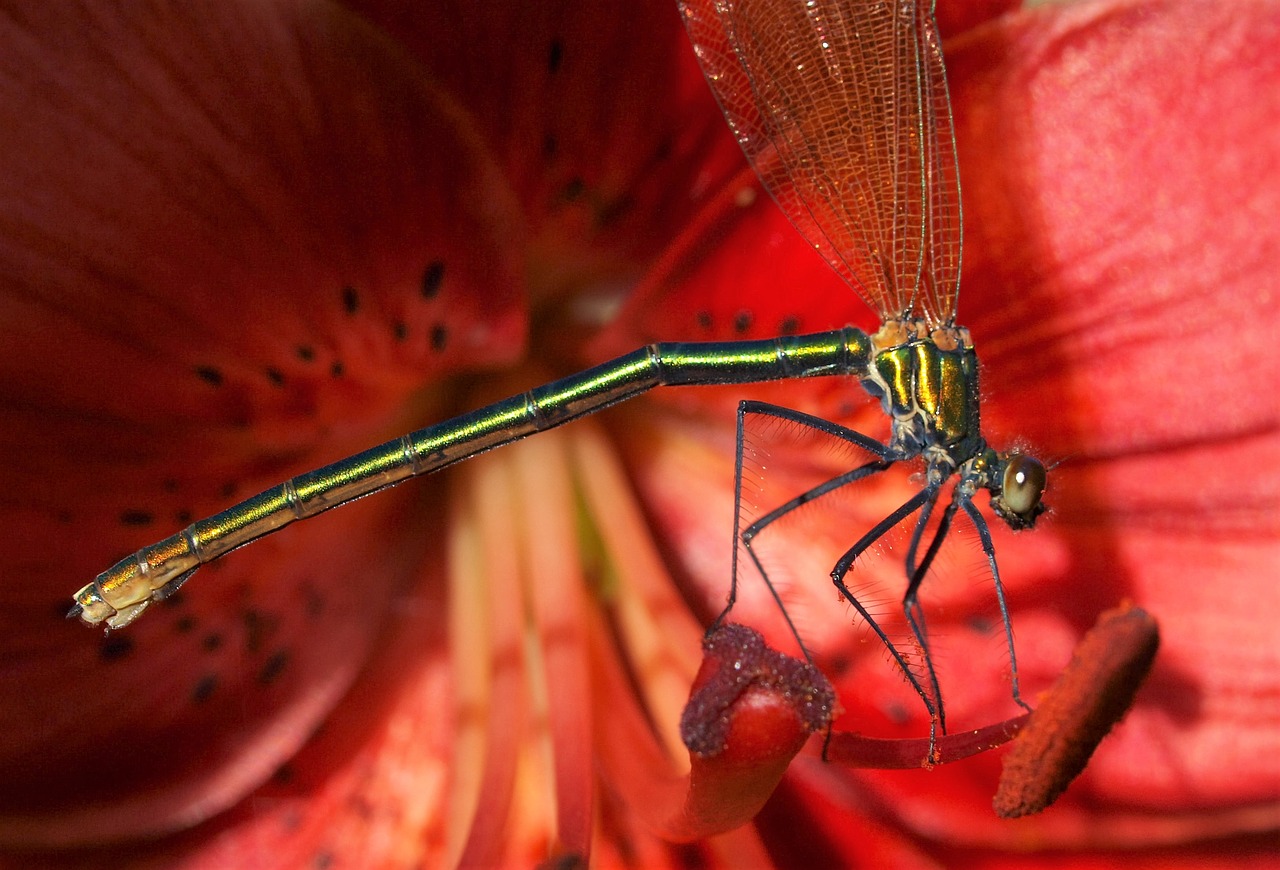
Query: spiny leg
{"points": [[747, 535], [886, 458], [744, 408], [842, 569], [911, 608], [988, 547]]}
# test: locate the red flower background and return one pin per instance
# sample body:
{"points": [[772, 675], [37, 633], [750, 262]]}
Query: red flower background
{"points": [[241, 241]]}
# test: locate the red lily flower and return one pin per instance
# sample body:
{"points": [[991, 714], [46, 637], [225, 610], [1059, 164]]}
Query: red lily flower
{"points": [[241, 242]]}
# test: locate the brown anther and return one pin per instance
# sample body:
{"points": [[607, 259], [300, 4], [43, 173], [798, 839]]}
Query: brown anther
{"points": [[1092, 694]]}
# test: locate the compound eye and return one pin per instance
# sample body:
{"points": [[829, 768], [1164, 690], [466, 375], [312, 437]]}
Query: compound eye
{"points": [[1024, 483]]}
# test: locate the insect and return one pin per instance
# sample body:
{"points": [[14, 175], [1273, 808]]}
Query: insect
{"points": [[842, 108]]}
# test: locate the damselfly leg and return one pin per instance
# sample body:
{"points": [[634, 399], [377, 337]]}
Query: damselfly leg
{"points": [[913, 531]]}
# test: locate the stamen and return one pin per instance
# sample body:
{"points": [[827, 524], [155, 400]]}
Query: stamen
{"points": [[1091, 696], [736, 660], [485, 634], [555, 593], [879, 753], [656, 628], [765, 726], [751, 710]]}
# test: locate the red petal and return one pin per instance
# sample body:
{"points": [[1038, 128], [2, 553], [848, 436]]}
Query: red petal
{"points": [[187, 196], [372, 786], [597, 112], [1126, 195], [955, 18]]}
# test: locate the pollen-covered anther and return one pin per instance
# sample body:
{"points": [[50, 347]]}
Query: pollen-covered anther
{"points": [[1091, 696], [751, 710], [742, 678]]}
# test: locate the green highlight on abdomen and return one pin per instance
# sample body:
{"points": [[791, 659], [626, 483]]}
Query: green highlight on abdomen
{"points": [[121, 593]]}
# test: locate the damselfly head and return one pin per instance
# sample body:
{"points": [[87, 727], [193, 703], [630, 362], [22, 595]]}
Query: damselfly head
{"points": [[1022, 485]]}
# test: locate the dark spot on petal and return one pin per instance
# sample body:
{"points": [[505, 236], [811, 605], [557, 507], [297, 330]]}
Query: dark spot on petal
{"points": [[183, 517], [567, 861], [350, 299], [284, 773], [981, 624], [114, 647], [336, 370], [572, 190], [837, 665], [211, 642], [896, 713], [204, 688], [610, 212], [549, 146], [173, 600], [273, 667], [275, 376], [400, 330], [789, 326], [209, 375], [322, 860], [432, 278], [665, 147], [555, 54], [439, 337], [137, 517], [258, 626], [185, 624], [313, 602], [64, 516], [704, 319], [229, 488], [305, 352], [742, 321], [169, 485]]}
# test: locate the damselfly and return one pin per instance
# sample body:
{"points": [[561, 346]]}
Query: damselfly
{"points": [[842, 108]]}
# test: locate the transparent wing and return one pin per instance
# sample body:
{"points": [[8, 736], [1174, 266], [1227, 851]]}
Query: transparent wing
{"points": [[940, 270], [842, 108]]}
